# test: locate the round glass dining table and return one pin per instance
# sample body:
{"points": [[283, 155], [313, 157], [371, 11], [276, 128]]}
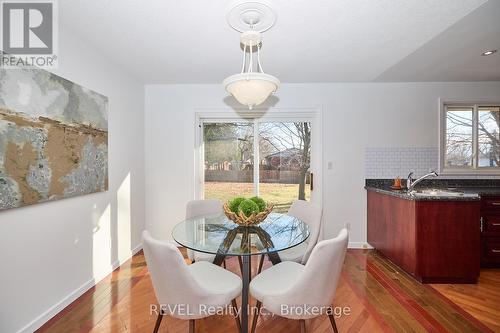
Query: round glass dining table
{"points": [[216, 234]]}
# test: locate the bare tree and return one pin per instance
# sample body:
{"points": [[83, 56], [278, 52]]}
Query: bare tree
{"points": [[459, 136], [489, 137], [296, 136], [304, 130], [228, 142]]}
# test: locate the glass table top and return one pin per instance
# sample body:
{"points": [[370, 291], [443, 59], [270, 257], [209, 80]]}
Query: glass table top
{"points": [[217, 234]]}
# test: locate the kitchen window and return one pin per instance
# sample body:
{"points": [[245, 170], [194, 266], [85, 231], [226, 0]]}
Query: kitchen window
{"points": [[470, 139]]}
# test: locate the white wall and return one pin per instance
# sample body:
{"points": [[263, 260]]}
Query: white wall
{"points": [[355, 116], [51, 252]]}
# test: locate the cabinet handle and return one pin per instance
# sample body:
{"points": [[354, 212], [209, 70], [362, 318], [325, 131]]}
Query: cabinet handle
{"points": [[495, 224], [495, 203], [495, 251]]}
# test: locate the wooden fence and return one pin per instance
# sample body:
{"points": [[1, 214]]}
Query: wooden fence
{"points": [[246, 176]]}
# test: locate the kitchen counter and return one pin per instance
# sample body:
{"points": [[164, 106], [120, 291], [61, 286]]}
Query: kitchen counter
{"points": [[473, 195], [472, 189]]}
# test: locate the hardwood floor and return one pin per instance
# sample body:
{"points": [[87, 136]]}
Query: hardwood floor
{"points": [[481, 300], [380, 296]]}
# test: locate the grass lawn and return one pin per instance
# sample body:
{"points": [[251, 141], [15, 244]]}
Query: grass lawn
{"points": [[282, 195]]}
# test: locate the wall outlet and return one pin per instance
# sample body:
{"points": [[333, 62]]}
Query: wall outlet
{"points": [[330, 165]]}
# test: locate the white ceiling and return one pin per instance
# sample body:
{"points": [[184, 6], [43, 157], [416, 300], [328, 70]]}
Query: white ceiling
{"points": [[455, 54], [174, 41]]}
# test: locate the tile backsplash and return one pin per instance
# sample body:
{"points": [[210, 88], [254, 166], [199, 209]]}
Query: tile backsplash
{"points": [[393, 162], [388, 163]]}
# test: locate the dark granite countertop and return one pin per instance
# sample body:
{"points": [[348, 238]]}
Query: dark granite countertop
{"points": [[471, 190]]}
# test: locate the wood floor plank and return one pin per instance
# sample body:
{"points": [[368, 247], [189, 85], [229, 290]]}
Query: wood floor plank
{"points": [[380, 296]]}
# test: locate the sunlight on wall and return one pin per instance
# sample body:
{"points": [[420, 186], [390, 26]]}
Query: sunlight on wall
{"points": [[123, 227], [101, 243], [123, 214]]}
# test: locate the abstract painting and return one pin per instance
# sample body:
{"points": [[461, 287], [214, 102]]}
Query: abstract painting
{"points": [[53, 138]]}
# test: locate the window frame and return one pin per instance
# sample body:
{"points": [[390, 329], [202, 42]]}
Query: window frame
{"points": [[474, 169]]}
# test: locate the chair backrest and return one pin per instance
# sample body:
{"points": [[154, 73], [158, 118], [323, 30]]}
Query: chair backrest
{"points": [[203, 207], [311, 214], [196, 208], [318, 282], [172, 279]]}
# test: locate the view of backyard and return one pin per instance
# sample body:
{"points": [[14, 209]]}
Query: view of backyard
{"points": [[282, 156]]}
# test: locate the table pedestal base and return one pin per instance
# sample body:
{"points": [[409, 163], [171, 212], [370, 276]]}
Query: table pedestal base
{"points": [[245, 309]]}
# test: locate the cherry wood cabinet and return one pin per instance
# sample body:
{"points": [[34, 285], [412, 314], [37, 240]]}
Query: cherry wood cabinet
{"points": [[435, 241], [490, 231]]}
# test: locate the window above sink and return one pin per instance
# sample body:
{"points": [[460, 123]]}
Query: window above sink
{"points": [[470, 139]]}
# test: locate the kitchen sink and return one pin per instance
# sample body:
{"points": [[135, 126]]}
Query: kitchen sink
{"points": [[432, 192]]}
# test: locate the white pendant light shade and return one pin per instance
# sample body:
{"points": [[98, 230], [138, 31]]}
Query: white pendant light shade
{"points": [[251, 89]]}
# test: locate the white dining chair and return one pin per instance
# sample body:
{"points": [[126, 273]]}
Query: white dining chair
{"points": [[195, 208], [311, 214], [187, 291], [290, 285]]}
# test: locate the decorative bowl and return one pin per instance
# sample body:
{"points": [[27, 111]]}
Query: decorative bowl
{"points": [[254, 219]]}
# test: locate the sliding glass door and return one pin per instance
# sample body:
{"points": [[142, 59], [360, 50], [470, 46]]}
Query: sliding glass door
{"points": [[268, 158]]}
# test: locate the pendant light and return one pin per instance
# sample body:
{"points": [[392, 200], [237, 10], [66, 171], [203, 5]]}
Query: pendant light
{"points": [[251, 86]]}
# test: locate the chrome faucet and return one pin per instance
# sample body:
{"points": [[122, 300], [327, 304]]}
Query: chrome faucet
{"points": [[410, 182]]}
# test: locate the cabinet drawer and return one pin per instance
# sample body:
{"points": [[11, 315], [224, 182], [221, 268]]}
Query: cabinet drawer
{"points": [[491, 223], [492, 250], [491, 203]]}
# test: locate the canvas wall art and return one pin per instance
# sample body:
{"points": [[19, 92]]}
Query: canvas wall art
{"points": [[53, 138]]}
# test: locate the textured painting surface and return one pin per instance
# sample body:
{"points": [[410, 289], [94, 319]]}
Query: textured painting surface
{"points": [[53, 138]]}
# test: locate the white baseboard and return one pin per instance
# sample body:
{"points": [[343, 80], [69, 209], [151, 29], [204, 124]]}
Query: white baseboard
{"points": [[359, 245], [56, 308], [136, 249], [59, 306]]}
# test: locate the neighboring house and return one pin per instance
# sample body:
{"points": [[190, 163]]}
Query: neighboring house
{"points": [[288, 159]]}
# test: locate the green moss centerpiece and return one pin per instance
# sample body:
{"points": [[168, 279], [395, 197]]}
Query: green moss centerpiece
{"points": [[247, 212]]}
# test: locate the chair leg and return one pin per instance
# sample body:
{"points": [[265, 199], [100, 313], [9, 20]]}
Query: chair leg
{"points": [[224, 263], [256, 316], [261, 263], [191, 326], [302, 326], [236, 317], [332, 321], [158, 321]]}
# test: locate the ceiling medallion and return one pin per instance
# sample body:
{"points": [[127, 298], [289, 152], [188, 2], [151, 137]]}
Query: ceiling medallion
{"points": [[251, 86]]}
